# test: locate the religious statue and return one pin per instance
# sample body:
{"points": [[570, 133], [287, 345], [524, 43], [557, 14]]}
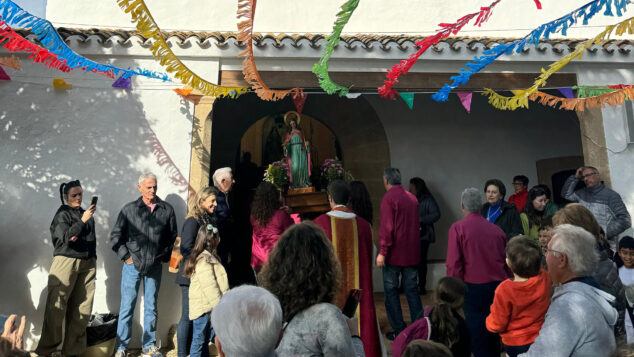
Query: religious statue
{"points": [[296, 152]]}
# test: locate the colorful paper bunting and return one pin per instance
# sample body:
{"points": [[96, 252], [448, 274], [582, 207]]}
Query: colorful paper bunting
{"points": [[584, 92], [125, 83], [579, 104], [14, 15], [562, 24], [163, 53], [353, 95], [13, 42], [465, 99], [567, 92], [183, 91], [246, 9], [539, 5], [520, 97], [408, 98], [299, 101], [11, 62], [3, 75], [321, 67], [387, 90], [61, 84]]}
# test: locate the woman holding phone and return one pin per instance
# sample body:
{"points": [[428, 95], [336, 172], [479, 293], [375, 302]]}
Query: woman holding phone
{"points": [[71, 279]]}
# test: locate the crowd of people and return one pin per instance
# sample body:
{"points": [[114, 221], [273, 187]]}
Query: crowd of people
{"points": [[524, 276]]}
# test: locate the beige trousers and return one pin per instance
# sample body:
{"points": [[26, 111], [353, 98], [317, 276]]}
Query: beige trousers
{"points": [[71, 288]]}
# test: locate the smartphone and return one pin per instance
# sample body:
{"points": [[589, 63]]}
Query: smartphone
{"points": [[94, 201], [350, 307]]}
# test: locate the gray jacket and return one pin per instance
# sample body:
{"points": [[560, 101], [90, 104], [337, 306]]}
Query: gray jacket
{"points": [[579, 323], [606, 205]]}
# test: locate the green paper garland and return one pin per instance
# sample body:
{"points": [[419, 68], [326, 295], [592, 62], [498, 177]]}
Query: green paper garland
{"points": [[585, 92], [321, 67]]}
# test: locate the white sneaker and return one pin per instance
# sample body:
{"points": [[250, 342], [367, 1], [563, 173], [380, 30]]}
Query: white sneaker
{"points": [[152, 352], [120, 353]]}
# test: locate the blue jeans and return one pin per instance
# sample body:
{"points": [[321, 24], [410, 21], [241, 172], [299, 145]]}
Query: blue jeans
{"points": [[201, 337], [408, 275], [477, 306], [184, 331], [130, 281]]}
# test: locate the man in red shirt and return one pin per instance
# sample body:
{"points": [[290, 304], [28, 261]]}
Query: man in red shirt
{"points": [[475, 255], [399, 252], [520, 185]]}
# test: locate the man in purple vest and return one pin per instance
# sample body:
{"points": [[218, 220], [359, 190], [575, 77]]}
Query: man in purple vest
{"points": [[399, 252]]}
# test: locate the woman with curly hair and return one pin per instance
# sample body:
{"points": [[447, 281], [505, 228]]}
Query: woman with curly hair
{"points": [[304, 273], [268, 220]]}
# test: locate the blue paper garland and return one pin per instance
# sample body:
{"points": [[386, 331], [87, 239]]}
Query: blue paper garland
{"points": [[561, 24], [14, 15]]}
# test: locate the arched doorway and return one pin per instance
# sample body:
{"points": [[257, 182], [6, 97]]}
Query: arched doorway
{"points": [[362, 140]]}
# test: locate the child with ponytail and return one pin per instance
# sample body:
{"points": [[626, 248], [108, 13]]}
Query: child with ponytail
{"points": [[208, 282], [440, 323]]}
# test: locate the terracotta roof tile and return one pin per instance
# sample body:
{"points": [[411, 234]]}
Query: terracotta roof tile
{"points": [[384, 42]]}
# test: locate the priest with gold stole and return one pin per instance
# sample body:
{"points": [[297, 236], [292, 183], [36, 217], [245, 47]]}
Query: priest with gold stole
{"points": [[351, 237]]}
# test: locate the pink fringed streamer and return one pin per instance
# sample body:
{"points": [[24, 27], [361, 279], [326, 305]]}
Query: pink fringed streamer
{"points": [[246, 9], [299, 101], [386, 90], [13, 42]]}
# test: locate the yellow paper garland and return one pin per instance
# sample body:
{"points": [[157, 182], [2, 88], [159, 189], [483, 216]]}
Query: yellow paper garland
{"points": [[161, 51], [521, 97]]}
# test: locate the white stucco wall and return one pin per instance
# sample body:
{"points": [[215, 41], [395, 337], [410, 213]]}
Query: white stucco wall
{"points": [[102, 136], [302, 16], [620, 152]]}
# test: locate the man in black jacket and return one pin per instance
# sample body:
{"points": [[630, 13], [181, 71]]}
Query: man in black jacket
{"points": [[142, 237]]}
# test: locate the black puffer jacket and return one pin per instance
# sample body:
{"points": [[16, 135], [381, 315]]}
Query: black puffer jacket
{"points": [[509, 220], [146, 236], [66, 224]]}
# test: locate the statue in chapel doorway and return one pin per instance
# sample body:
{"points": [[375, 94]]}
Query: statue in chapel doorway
{"points": [[296, 152]]}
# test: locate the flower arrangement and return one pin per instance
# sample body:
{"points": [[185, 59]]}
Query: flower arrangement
{"points": [[277, 174], [332, 169]]}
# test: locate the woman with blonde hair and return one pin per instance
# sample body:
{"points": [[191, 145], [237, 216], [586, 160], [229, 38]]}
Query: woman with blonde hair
{"points": [[606, 275], [200, 215]]}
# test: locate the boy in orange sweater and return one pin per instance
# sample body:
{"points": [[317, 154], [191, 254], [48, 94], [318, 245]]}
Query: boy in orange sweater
{"points": [[520, 303]]}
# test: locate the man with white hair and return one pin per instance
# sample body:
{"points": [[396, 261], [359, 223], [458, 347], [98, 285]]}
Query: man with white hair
{"points": [[247, 322], [580, 320], [142, 237], [223, 180], [476, 255]]}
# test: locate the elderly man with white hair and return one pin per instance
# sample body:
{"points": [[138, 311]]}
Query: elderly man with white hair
{"points": [[475, 255], [142, 237], [247, 322], [223, 180], [580, 320]]}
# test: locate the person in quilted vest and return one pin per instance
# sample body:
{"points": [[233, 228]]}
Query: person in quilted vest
{"points": [[208, 282]]}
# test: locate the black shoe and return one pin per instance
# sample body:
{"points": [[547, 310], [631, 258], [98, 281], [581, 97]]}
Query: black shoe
{"points": [[391, 335]]}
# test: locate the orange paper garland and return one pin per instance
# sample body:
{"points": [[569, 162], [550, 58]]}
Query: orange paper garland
{"points": [[246, 9], [579, 104]]}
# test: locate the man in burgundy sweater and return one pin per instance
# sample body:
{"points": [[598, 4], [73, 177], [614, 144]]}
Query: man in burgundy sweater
{"points": [[399, 252], [475, 255]]}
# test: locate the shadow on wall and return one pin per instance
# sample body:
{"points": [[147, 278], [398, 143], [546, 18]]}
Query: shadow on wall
{"points": [[100, 136]]}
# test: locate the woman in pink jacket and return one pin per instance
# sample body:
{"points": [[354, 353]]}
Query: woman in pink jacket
{"points": [[269, 221]]}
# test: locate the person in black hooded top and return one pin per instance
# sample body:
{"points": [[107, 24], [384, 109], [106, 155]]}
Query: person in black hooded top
{"points": [[71, 279]]}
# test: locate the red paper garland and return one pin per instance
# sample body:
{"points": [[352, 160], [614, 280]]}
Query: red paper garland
{"points": [[386, 90], [246, 8], [16, 43]]}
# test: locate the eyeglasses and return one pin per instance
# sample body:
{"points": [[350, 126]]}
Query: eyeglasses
{"points": [[588, 175], [553, 252]]}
